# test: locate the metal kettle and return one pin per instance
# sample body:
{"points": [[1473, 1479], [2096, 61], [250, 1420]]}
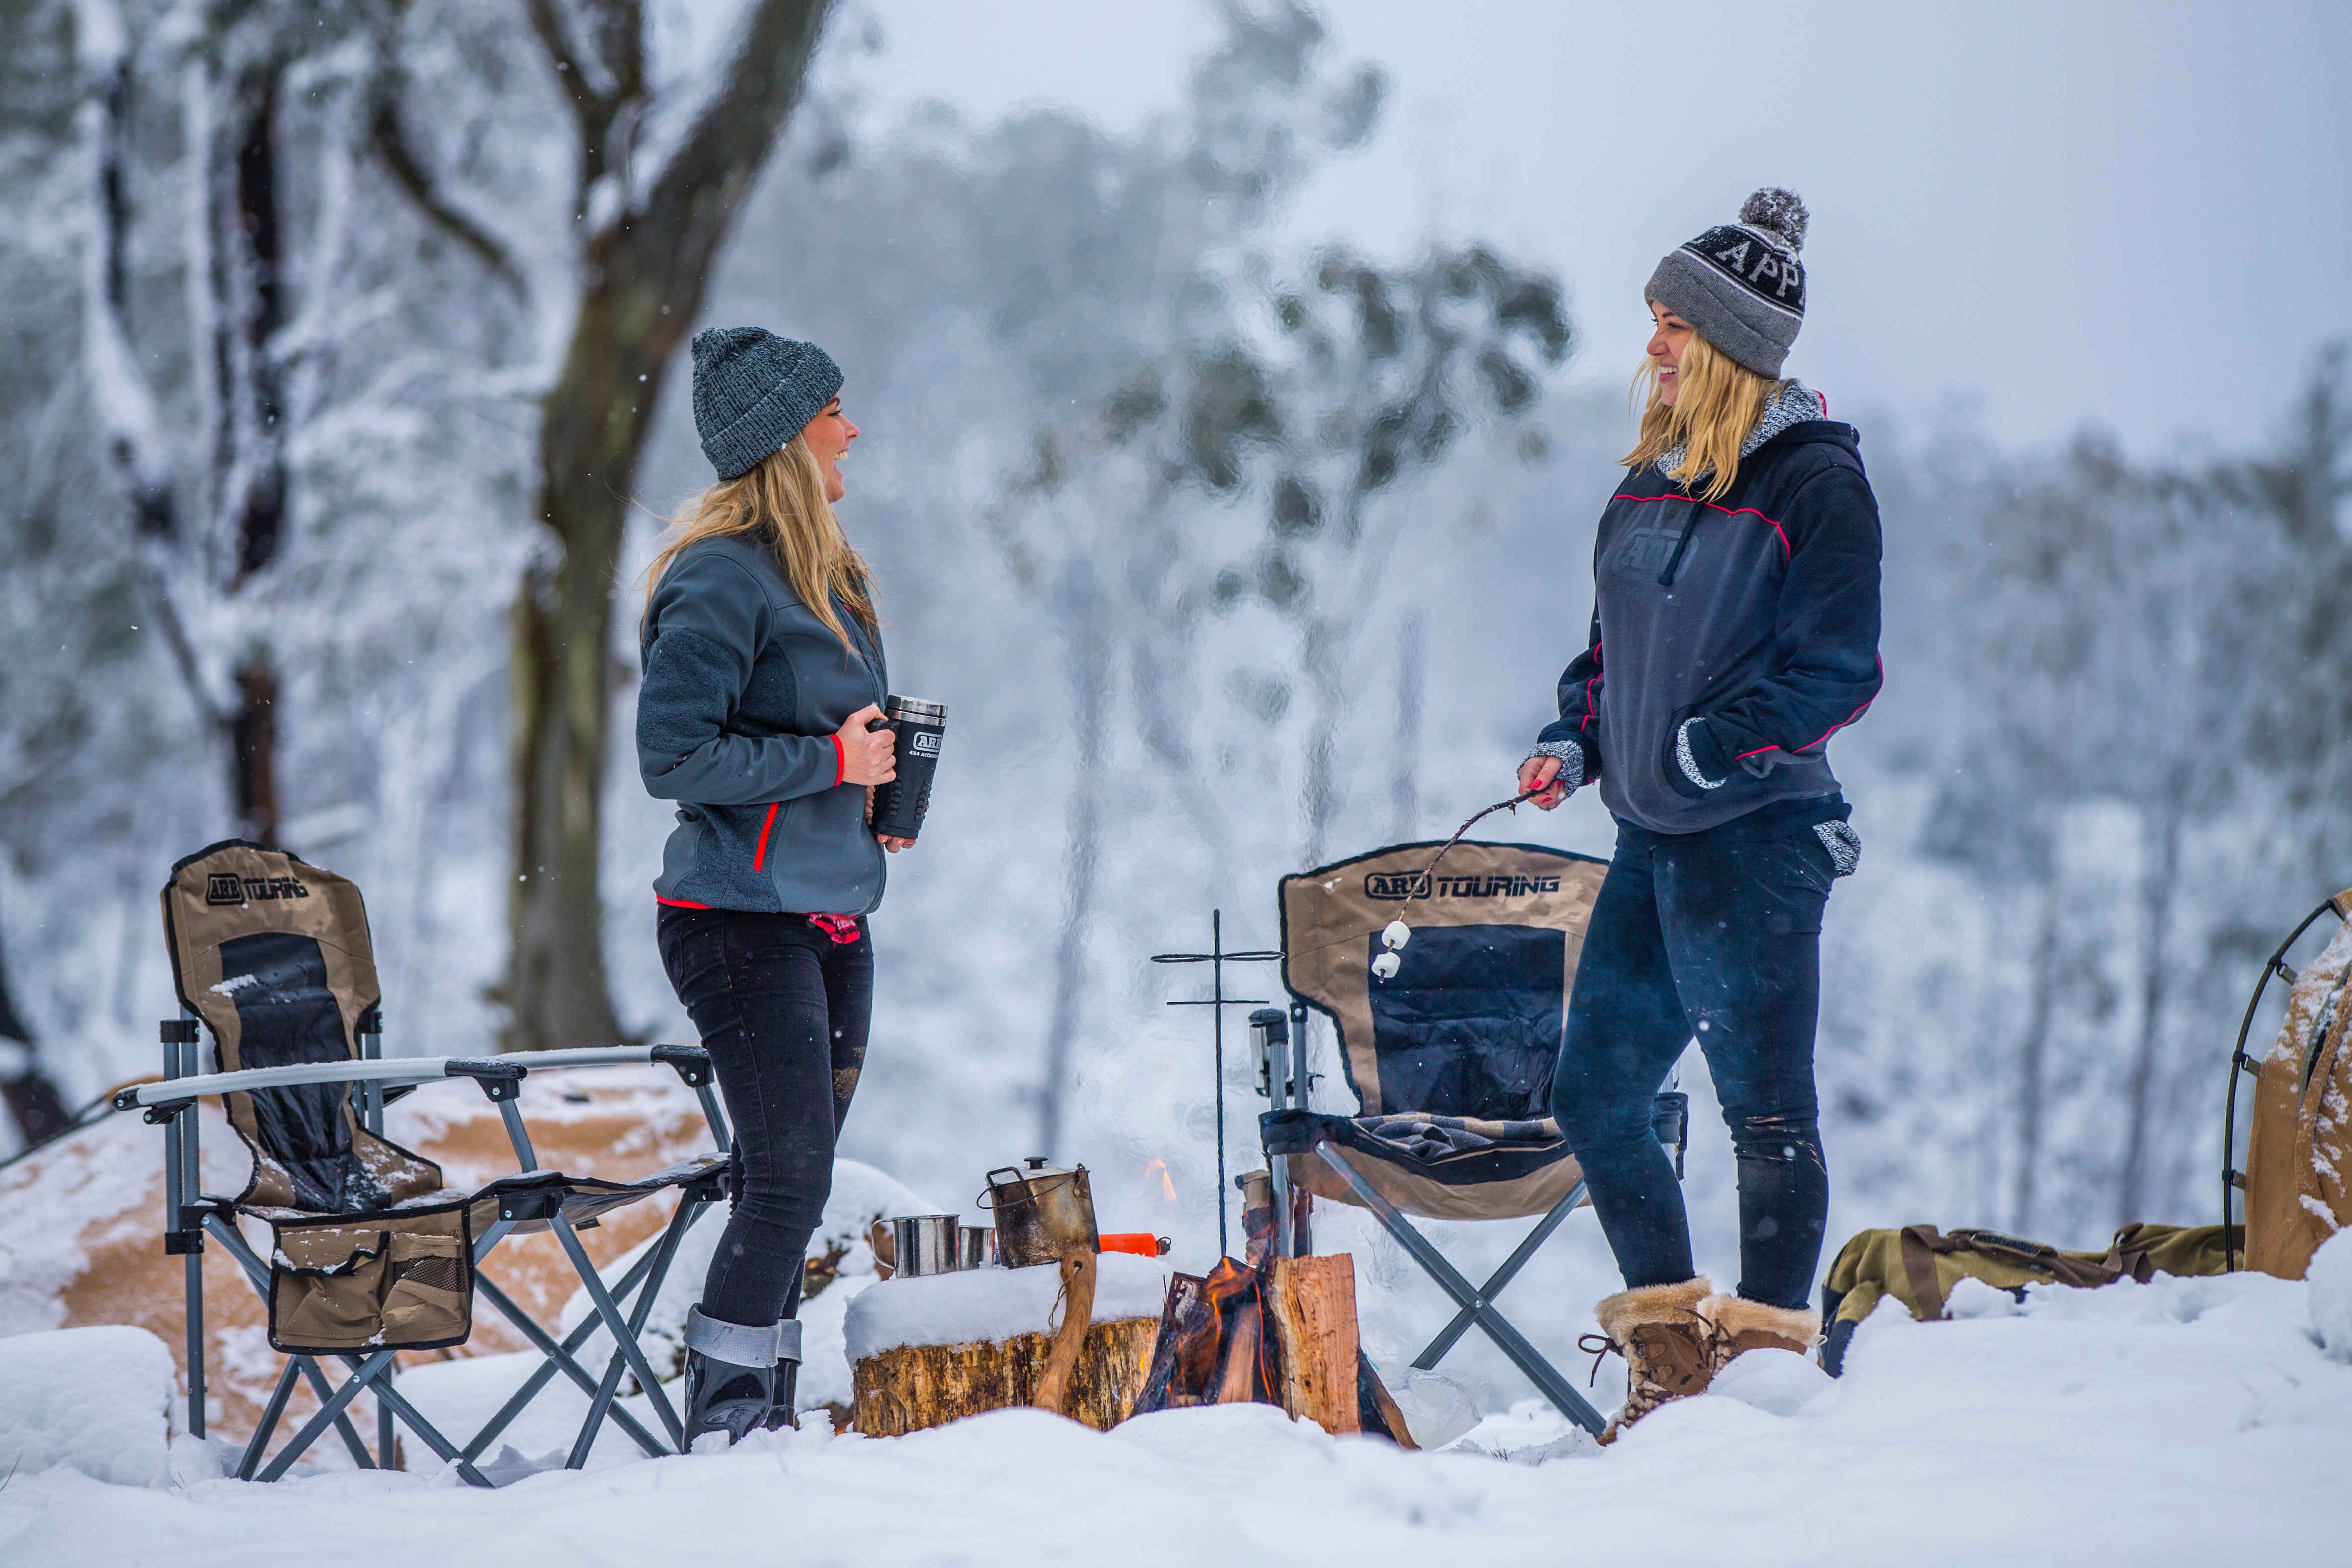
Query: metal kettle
{"points": [[1044, 1213]]}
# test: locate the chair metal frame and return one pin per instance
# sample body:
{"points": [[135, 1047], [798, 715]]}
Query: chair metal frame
{"points": [[1474, 1304], [191, 1215]]}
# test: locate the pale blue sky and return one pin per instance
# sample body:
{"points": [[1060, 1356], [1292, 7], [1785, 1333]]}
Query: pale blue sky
{"points": [[2128, 212]]}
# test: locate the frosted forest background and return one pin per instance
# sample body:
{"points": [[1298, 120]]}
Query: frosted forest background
{"points": [[329, 480]]}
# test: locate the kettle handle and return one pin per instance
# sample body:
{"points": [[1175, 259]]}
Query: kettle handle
{"points": [[985, 1201]]}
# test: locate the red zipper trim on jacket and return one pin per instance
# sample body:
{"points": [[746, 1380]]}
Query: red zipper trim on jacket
{"points": [[679, 904], [1727, 512], [760, 856]]}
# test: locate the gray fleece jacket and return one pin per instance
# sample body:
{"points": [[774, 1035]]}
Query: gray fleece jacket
{"points": [[742, 692]]}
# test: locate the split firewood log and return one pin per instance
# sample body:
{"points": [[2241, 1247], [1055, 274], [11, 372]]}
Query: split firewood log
{"points": [[1310, 1308]]}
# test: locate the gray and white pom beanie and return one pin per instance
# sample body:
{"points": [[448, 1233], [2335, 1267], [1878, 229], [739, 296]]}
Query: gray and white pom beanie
{"points": [[1740, 284]]}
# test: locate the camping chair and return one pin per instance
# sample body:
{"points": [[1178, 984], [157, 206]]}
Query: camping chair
{"points": [[371, 1254], [1451, 1062]]}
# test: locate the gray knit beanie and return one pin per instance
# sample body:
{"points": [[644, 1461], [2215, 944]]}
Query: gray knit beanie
{"points": [[1740, 284], [753, 393]]}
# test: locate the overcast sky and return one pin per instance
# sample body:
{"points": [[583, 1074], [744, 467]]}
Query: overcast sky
{"points": [[2131, 213]]}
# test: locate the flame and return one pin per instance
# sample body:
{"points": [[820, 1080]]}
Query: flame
{"points": [[1167, 1188]]}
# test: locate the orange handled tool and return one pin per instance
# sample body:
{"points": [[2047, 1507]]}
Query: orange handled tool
{"points": [[1142, 1243]]}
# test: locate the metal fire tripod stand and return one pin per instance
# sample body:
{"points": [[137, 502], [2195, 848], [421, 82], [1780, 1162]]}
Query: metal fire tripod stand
{"points": [[1217, 1001]]}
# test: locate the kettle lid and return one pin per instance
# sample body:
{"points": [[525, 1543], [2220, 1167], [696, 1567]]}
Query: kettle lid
{"points": [[1033, 1168]]}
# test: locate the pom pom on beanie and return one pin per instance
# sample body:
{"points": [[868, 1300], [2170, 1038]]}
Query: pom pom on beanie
{"points": [[1781, 212]]}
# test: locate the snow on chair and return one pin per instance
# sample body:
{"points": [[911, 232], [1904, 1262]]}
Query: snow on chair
{"points": [[371, 1254], [1450, 1060]]}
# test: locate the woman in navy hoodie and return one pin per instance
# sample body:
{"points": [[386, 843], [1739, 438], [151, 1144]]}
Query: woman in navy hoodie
{"points": [[1734, 630]]}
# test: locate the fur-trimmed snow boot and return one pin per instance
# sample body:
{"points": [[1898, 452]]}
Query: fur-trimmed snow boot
{"points": [[1666, 1346], [1736, 1325], [731, 1374]]}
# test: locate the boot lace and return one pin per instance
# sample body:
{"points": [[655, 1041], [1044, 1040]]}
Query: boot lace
{"points": [[1598, 1345]]}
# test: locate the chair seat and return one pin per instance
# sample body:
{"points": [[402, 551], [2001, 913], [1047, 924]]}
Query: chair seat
{"points": [[586, 1199], [1431, 1167]]}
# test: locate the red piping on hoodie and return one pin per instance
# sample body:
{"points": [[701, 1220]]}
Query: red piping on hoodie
{"points": [[760, 856], [1833, 729], [1727, 512]]}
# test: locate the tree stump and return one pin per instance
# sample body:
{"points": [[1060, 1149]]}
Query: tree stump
{"points": [[916, 1386]]}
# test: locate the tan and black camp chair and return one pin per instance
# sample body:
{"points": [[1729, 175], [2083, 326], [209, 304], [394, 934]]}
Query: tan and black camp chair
{"points": [[371, 1254], [1451, 1061]]}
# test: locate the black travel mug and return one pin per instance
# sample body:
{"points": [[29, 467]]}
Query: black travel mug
{"points": [[898, 805]]}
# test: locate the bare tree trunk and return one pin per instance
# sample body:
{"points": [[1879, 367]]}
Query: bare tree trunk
{"points": [[1404, 786], [253, 750], [1318, 790], [31, 1097], [246, 480], [250, 275], [2033, 1070], [1086, 653], [2159, 885], [644, 275]]}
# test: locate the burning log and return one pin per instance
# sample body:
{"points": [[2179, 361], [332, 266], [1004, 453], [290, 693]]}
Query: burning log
{"points": [[1282, 1333]]}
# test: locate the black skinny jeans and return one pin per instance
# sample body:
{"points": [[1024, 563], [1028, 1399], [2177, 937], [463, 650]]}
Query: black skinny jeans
{"points": [[783, 1009], [1717, 935]]}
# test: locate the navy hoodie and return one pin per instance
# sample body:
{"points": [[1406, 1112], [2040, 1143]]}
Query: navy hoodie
{"points": [[1757, 611]]}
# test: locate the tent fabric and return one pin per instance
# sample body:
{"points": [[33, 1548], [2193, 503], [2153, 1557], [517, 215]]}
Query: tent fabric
{"points": [[2299, 1147], [1472, 1023]]}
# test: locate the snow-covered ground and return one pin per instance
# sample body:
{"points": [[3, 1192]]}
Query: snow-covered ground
{"points": [[2181, 1421]]}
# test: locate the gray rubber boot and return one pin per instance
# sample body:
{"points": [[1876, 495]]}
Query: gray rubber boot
{"points": [[781, 1411], [730, 1374]]}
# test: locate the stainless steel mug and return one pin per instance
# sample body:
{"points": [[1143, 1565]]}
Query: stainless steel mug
{"points": [[926, 1244], [976, 1246], [898, 805]]}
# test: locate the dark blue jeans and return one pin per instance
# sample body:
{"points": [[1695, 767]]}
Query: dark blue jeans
{"points": [[783, 1009], [1716, 935]]}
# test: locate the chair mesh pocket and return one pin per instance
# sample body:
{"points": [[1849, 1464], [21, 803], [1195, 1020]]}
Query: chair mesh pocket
{"points": [[425, 1298], [394, 1280]]}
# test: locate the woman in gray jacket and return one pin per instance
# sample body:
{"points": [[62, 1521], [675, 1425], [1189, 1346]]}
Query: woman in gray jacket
{"points": [[761, 654]]}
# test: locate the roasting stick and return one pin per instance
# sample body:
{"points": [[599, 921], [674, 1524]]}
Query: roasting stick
{"points": [[1397, 934]]}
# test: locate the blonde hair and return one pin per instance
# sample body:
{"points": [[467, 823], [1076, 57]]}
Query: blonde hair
{"points": [[1720, 403], [782, 501]]}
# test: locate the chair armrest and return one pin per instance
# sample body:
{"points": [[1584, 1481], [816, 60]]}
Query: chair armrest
{"points": [[177, 1092], [499, 1078], [691, 1063], [590, 1057]]}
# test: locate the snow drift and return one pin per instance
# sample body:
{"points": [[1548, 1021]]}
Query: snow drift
{"points": [[2181, 1421]]}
